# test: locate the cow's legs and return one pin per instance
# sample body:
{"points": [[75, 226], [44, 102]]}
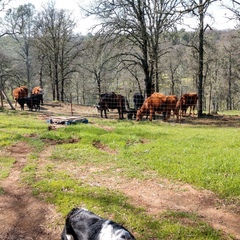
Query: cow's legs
{"points": [[176, 112], [166, 115], [151, 112], [120, 113], [22, 106], [193, 109], [190, 111], [184, 112], [105, 113]]}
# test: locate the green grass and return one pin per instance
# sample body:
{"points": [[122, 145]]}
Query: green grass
{"points": [[230, 112], [15, 126], [206, 157], [5, 166]]}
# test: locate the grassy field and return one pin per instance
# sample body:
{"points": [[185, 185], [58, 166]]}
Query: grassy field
{"points": [[206, 157]]}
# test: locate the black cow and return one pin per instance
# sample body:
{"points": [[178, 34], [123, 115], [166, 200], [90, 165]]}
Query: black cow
{"points": [[38, 96], [33, 102], [138, 100], [112, 100], [82, 224], [21, 102]]}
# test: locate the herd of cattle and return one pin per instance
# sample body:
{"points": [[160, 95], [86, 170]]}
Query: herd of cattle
{"points": [[156, 103], [21, 97]]}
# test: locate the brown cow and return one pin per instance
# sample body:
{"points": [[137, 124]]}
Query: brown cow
{"points": [[112, 101], [171, 103], [158, 102], [25, 89], [155, 103], [19, 93], [37, 92], [147, 108], [185, 101]]}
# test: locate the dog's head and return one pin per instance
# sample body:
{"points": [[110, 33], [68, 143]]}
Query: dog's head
{"points": [[83, 224]]}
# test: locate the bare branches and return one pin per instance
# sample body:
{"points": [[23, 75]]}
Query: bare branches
{"points": [[55, 41], [140, 25], [3, 4]]}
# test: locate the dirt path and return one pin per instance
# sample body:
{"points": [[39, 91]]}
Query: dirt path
{"points": [[158, 197], [22, 216]]}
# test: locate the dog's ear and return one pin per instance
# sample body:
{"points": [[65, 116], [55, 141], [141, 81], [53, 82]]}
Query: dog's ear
{"points": [[69, 229], [68, 232]]}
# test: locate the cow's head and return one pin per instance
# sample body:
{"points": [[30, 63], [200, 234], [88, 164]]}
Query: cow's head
{"points": [[98, 107], [139, 115], [37, 90], [181, 101]]}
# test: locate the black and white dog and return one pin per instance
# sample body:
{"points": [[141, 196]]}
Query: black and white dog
{"points": [[82, 224]]}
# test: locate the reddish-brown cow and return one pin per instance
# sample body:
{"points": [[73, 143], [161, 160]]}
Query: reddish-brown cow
{"points": [[155, 103], [25, 89], [37, 90], [158, 102], [171, 103], [20, 92], [185, 101], [37, 93]]}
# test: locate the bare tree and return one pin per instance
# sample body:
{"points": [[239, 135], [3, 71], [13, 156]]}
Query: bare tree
{"points": [[139, 24], [58, 47], [231, 66], [19, 24], [5, 70], [3, 4], [98, 60], [173, 67], [199, 9], [234, 7]]}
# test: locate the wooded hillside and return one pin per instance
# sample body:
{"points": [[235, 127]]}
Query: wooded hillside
{"points": [[41, 48]]}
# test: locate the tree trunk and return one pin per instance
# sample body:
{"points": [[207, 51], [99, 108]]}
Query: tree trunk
{"points": [[229, 98], [56, 81], [200, 60], [41, 70]]}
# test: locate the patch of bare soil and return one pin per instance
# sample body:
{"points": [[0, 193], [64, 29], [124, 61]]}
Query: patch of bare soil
{"points": [[24, 217], [103, 147]]}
